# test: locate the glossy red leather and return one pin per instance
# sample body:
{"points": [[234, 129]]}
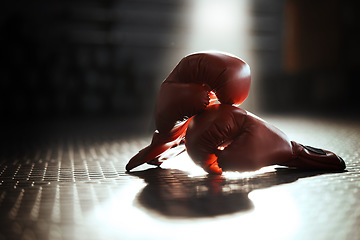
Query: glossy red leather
{"points": [[227, 138], [195, 83]]}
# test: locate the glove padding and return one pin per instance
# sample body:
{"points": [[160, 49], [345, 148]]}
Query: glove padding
{"points": [[225, 137], [195, 83]]}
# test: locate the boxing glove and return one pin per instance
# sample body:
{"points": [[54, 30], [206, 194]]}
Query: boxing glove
{"points": [[227, 138], [196, 82]]}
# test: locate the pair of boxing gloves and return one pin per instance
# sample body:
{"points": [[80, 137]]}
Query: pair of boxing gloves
{"points": [[221, 137]]}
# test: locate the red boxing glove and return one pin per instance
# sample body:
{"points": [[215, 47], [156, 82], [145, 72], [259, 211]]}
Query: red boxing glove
{"points": [[224, 137], [196, 82]]}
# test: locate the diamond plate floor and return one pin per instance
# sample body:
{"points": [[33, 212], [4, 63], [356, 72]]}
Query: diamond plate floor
{"points": [[72, 185]]}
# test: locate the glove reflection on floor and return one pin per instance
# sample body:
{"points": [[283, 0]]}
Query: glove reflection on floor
{"points": [[195, 83], [224, 137]]}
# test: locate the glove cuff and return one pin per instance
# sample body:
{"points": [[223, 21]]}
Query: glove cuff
{"points": [[307, 157]]}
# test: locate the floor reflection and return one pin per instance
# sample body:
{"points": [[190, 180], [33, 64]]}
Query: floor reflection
{"points": [[76, 188], [173, 193]]}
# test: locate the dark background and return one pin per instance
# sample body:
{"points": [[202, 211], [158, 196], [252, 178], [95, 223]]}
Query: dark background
{"points": [[95, 59]]}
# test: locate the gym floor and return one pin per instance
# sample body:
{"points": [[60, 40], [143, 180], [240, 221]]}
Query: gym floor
{"points": [[69, 182]]}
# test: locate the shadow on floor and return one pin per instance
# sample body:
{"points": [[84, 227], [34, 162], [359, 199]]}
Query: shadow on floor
{"points": [[173, 193]]}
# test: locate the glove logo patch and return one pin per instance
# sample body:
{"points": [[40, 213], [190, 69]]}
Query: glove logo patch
{"points": [[315, 150]]}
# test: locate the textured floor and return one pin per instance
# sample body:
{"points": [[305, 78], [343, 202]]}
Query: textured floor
{"points": [[73, 186]]}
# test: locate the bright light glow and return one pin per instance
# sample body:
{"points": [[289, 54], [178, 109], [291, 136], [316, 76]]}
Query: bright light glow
{"points": [[238, 175], [275, 214], [219, 25], [184, 163], [217, 16]]}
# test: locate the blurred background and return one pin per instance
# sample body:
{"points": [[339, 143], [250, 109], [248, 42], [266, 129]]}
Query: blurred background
{"points": [[107, 58], [78, 85]]}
